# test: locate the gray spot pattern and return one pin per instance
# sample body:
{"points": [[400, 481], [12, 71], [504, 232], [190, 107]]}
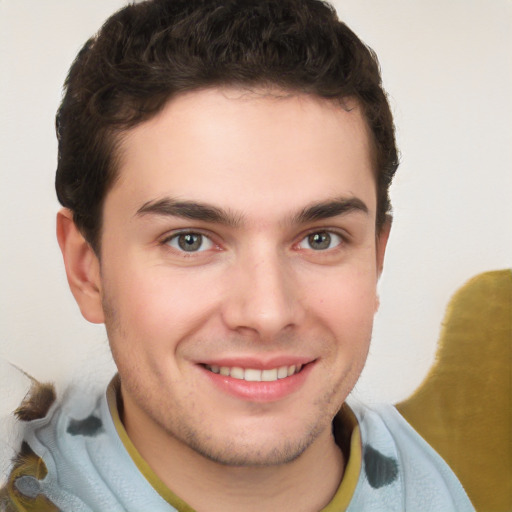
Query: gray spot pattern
{"points": [[90, 427], [380, 470]]}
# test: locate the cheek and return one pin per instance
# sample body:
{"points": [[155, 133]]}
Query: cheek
{"points": [[347, 301], [349, 293], [155, 303]]}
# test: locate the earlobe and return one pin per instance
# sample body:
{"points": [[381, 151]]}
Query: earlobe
{"points": [[82, 267]]}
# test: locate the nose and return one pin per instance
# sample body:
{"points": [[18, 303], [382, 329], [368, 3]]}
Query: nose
{"points": [[263, 296]]}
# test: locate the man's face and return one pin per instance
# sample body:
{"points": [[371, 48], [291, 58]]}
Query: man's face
{"points": [[239, 265]]}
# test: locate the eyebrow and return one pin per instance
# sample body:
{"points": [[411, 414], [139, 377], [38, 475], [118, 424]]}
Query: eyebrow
{"points": [[209, 213], [189, 210], [329, 209]]}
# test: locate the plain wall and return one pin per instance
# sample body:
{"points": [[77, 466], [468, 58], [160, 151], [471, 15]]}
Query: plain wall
{"points": [[447, 67]]}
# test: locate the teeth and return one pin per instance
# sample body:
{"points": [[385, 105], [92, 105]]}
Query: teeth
{"points": [[269, 375], [250, 375], [282, 372], [253, 375], [237, 373]]}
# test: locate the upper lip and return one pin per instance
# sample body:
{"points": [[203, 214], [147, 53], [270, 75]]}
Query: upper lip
{"points": [[258, 362]]}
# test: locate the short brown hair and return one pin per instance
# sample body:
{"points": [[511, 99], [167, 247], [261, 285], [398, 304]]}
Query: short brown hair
{"points": [[148, 52]]}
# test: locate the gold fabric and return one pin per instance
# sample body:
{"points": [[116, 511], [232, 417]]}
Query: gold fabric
{"points": [[27, 464], [464, 407]]}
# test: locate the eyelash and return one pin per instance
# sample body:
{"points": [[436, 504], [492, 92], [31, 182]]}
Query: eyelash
{"points": [[342, 239], [176, 237]]}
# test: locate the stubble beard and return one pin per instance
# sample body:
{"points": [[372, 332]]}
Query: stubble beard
{"points": [[236, 451], [224, 451], [239, 450]]}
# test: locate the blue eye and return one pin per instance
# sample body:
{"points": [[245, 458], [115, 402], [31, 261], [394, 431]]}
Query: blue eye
{"points": [[321, 241], [190, 242]]}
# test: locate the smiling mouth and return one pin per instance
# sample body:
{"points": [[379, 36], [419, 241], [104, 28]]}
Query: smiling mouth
{"points": [[254, 375]]}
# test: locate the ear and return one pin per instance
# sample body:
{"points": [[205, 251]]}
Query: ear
{"points": [[382, 242], [82, 267]]}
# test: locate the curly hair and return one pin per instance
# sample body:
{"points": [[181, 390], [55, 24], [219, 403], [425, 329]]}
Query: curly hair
{"points": [[149, 52]]}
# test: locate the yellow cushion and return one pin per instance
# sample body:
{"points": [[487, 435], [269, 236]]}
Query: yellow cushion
{"points": [[464, 407]]}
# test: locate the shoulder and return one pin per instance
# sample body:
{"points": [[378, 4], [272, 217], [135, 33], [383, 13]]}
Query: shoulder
{"points": [[46, 425], [72, 459], [400, 470]]}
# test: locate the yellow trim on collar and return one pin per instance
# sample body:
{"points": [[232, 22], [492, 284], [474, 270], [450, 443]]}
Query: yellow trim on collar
{"points": [[339, 503], [157, 484], [345, 492]]}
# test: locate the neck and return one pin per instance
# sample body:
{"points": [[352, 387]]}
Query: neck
{"points": [[306, 484]]}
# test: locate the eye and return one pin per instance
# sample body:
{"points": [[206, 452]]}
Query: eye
{"points": [[321, 241], [189, 242]]}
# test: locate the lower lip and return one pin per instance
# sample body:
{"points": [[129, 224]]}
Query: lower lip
{"points": [[260, 391]]}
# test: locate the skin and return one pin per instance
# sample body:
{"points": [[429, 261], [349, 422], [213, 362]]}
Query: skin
{"points": [[260, 287]]}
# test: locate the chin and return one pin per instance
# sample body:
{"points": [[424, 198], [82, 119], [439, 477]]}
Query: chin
{"points": [[260, 454], [245, 449]]}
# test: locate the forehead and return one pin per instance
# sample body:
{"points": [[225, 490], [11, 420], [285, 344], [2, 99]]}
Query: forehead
{"points": [[240, 149]]}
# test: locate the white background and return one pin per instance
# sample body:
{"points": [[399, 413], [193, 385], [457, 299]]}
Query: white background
{"points": [[447, 66]]}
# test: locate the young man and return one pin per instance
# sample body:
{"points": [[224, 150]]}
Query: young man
{"points": [[224, 170]]}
